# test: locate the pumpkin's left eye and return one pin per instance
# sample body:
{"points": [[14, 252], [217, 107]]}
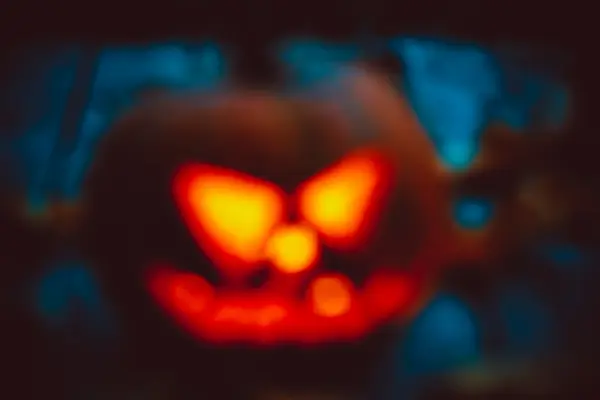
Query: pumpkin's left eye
{"points": [[342, 201], [230, 214]]}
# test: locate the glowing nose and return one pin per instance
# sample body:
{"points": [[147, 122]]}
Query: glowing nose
{"points": [[292, 248]]}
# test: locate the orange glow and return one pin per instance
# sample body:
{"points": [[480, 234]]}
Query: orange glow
{"points": [[340, 202], [194, 301], [332, 310], [190, 291], [264, 316], [238, 221], [230, 214], [331, 296], [387, 293], [293, 248]]}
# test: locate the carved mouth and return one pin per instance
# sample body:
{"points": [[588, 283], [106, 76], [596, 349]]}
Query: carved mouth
{"points": [[332, 310]]}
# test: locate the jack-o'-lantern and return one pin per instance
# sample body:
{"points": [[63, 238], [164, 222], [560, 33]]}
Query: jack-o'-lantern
{"points": [[257, 218], [260, 219], [299, 229]]}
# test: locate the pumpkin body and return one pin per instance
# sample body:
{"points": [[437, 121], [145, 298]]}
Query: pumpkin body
{"points": [[261, 220]]}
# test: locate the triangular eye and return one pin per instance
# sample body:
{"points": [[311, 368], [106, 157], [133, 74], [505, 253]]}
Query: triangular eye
{"points": [[343, 201], [229, 213]]}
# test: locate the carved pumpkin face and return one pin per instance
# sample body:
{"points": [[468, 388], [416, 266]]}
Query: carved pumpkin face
{"points": [[243, 225], [261, 219]]}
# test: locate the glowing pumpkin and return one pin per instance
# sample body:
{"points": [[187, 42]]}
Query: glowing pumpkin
{"points": [[262, 219]]}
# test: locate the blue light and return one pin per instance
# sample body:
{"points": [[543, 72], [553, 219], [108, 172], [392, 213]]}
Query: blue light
{"points": [[52, 297], [311, 62], [458, 154], [444, 336], [473, 213], [528, 323], [450, 88], [528, 98], [562, 254], [66, 287]]}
